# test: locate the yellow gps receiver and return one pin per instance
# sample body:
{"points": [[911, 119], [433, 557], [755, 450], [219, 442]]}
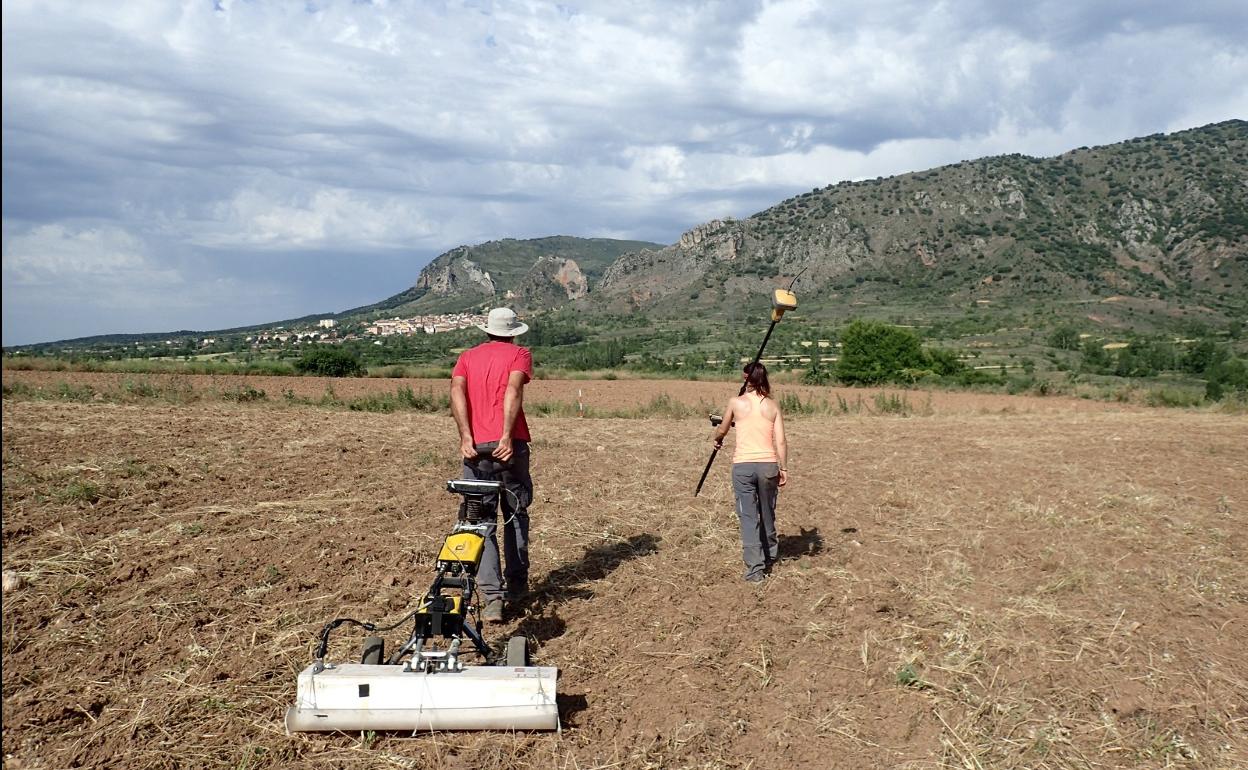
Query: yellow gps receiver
{"points": [[461, 552], [782, 300]]}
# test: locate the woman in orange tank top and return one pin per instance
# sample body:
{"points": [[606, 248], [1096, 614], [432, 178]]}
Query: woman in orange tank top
{"points": [[759, 469]]}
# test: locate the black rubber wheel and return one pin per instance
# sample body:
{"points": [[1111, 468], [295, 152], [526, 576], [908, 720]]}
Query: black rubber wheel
{"points": [[374, 650], [517, 652]]}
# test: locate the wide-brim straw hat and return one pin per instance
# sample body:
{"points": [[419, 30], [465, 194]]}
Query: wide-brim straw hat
{"points": [[502, 322]]}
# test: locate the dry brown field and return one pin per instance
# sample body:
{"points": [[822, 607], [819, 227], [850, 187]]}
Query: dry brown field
{"points": [[989, 582]]}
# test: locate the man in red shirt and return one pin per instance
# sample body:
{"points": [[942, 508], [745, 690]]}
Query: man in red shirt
{"points": [[487, 400]]}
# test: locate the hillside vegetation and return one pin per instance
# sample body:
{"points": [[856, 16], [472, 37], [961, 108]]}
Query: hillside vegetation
{"points": [[1143, 235]]}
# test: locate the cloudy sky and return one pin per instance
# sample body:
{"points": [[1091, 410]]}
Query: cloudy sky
{"points": [[198, 165]]}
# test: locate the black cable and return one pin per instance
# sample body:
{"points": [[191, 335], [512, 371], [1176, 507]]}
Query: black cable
{"points": [[323, 648]]}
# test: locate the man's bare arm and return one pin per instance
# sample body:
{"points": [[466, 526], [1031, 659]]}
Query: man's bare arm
{"points": [[459, 409], [513, 400]]}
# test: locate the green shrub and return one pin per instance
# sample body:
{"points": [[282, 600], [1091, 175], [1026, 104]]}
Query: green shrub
{"points": [[64, 391], [423, 401], [1017, 385], [1095, 358], [892, 403], [243, 394], [845, 407], [19, 390], [816, 375], [67, 391], [942, 361], [1065, 338], [791, 404], [973, 377], [79, 492], [874, 352], [1230, 376], [908, 676], [329, 362], [139, 388], [1174, 397], [402, 399], [373, 402], [1203, 356]]}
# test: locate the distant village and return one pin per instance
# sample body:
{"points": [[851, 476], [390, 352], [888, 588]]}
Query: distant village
{"points": [[386, 327], [426, 324]]}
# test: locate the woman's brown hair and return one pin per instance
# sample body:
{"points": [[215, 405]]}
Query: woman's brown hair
{"points": [[756, 377]]}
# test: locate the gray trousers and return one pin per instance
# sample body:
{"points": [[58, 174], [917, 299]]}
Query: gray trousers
{"points": [[515, 477], [756, 486]]}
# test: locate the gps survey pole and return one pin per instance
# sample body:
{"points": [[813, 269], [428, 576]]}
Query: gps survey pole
{"points": [[781, 300]]}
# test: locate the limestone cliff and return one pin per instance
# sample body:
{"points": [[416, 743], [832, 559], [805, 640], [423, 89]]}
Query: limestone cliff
{"points": [[455, 274]]}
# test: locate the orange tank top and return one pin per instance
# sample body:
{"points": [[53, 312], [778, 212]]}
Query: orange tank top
{"points": [[755, 435]]}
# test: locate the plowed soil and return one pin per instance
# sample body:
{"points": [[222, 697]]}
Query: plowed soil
{"points": [[996, 582]]}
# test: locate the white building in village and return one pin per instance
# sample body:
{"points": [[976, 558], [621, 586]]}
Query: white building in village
{"points": [[427, 324]]}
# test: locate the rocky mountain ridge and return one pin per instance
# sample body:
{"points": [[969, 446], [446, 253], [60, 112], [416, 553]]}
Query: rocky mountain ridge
{"points": [[529, 274], [1163, 219], [1160, 222]]}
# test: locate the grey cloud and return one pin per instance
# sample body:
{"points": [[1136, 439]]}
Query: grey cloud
{"points": [[340, 135]]}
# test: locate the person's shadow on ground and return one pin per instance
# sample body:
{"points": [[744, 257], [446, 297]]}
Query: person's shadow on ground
{"points": [[541, 621], [808, 543]]}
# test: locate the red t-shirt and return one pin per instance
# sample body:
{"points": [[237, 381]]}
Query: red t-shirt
{"points": [[486, 369]]}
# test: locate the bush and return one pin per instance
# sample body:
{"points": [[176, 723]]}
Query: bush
{"points": [[791, 404], [70, 392], [972, 377], [404, 398], [816, 375], [329, 362], [892, 403], [1173, 397], [874, 353], [1230, 376], [943, 362], [1065, 338], [243, 394], [1203, 357], [1095, 358]]}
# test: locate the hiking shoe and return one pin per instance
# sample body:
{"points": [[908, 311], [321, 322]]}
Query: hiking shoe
{"points": [[493, 612], [757, 577]]}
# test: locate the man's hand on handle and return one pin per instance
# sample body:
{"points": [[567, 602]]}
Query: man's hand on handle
{"points": [[503, 451]]}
